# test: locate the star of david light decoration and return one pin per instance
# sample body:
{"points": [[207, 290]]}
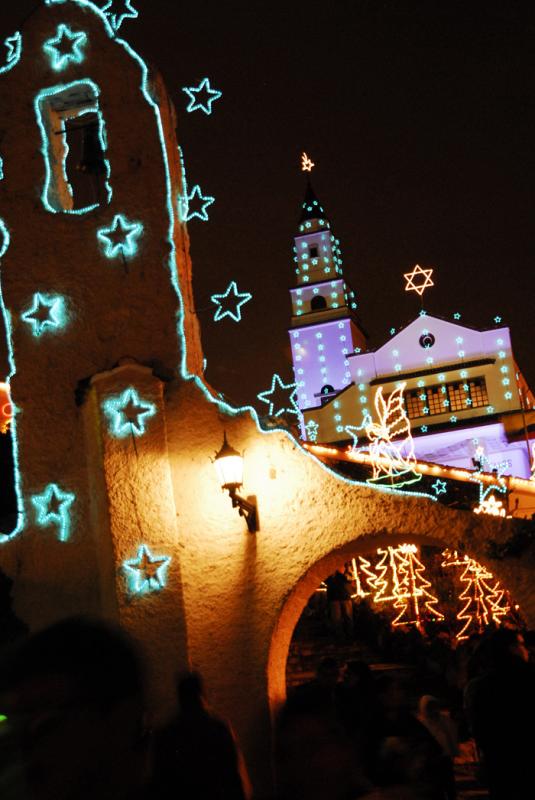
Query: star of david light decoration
{"points": [[290, 389], [230, 303], [312, 429], [198, 201], [117, 11], [201, 96], [306, 163], [47, 312], [53, 508], [65, 47], [439, 487], [14, 49], [423, 276], [121, 237], [128, 413], [147, 573]]}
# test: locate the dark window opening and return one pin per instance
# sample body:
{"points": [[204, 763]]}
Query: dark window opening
{"points": [[85, 165], [313, 251], [427, 340], [318, 302]]}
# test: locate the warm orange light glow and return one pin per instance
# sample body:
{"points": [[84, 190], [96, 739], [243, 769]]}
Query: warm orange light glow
{"points": [[6, 409], [491, 506], [306, 163], [421, 286]]}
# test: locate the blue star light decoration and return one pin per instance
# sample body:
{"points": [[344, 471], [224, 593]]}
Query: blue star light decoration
{"points": [[312, 429], [497, 320], [439, 487], [290, 389], [422, 313], [14, 49], [147, 573], [230, 303], [53, 508], [117, 11], [457, 315], [65, 47], [201, 96], [198, 202], [46, 314], [121, 237], [128, 413]]}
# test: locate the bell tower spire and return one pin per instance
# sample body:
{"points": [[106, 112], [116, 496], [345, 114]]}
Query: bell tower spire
{"points": [[324, 330]]}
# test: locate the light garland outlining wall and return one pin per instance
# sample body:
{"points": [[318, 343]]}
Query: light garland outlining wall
{"points": [[14, 50]]}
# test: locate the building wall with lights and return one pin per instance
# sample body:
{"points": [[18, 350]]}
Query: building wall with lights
{"points": [[120, 512]]}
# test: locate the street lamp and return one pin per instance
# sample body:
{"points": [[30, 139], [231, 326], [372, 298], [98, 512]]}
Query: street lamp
{"points": [[229, 467]]}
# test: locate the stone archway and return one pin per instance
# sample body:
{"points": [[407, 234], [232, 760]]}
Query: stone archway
{"points": [[300, 594]]}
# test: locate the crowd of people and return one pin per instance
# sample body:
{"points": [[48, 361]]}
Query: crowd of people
{"points": [[75, 724]]}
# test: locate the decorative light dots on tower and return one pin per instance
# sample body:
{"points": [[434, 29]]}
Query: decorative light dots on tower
{"points": [[65, 47], [201, 97], [53, 508], [275, 409], [230, 303], [117, 11], [14, 49], [121, 237], [128, 413], [147, 573], [47, 314]]}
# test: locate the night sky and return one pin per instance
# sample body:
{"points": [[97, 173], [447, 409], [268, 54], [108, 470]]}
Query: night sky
{"points": [[420, 117]]}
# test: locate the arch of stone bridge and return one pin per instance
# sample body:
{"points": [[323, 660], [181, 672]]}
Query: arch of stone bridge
{"points": [[518, 581]]}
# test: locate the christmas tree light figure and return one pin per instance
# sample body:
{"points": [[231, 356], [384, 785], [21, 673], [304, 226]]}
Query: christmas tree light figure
{"points": [[387, 582], [415, 602], [482, 603], [363, 576]]}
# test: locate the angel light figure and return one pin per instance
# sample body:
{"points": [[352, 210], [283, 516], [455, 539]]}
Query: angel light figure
{"points": [[391, 446]]}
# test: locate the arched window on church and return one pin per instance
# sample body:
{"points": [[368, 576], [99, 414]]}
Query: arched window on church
{"points": [[318, 302]]}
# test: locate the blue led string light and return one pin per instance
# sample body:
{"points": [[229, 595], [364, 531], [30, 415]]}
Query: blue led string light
{"points": [[147, 573], [47, 313], [45, 144], [121, 237], [230, 303], [14, 51], [203, 89], [53, 508], [116, 16], [55, 48], [267, 397], [439, 487], [128, 413], [200, 203]]}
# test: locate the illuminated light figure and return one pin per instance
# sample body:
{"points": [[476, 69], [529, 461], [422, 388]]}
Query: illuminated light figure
{"points": [[128, 413], [363, 577], [414, 599], [306, 163], [420, 287], [1, 168], [117, 11], [47, 312], [456, 315], [14, 50], [147, 572], [387, 582], [234, 301], [312, 429], [497, 320], [65, 47], [439, 487], [6, 409], [202, 89], [53, 508], [195, 198], [267, 397], [391, 446], [121, 237], [491, 506], [481, 601]]}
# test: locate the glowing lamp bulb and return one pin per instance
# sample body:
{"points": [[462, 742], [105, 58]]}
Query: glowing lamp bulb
{"points": [[229, 466]]}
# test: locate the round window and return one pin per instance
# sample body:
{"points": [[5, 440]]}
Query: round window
{"points": [[427, 340]]}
